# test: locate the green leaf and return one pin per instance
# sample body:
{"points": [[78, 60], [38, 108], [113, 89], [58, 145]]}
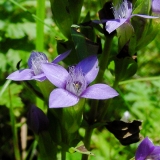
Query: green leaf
{"points": [[142, 7], [83, 46], [80, 149], [10, 97], [62, 15], [124, 68], [75, 7]]}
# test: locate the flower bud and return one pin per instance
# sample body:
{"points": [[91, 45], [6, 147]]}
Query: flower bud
{"points": [[36, 119]]}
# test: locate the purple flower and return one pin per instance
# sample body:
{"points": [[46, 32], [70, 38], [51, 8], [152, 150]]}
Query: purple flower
{"points": [[122, 14], [34, 63], [36, 119], [73, 85], [147, 151], [156, 6]]}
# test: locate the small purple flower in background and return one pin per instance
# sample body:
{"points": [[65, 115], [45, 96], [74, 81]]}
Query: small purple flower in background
{"points": [[36, 119], [34, 63], [122, 14], [156, 6], [147, 151], [73, 85]]}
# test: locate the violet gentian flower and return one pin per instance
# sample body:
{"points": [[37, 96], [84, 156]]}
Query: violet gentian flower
{"points": [[122, 14], [156, 6], [36, 119], [34, 71], [73, 85], [147, 151]]}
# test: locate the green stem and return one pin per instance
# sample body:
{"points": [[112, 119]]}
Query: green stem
{"points": [[87, 140], [14, 130], [40, 12], [63, 154], [103, 64]]}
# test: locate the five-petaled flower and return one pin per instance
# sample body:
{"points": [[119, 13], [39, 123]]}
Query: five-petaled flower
{"points": [[122, 15], [147, 151], [34, 71], [73, 85]]}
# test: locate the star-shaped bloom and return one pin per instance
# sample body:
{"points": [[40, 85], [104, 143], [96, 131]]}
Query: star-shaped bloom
{"points": [[156, 6], [147, 151], [122, 14], [34, 71], [74, 84]]}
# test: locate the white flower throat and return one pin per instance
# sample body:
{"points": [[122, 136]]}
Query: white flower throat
{"points": [[76, 82], [121, 10], [37, 59]]}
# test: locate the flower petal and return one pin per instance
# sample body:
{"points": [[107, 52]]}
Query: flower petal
{"points": [[60, 98], [112, 25], [156, 6], [61, 57], [144, 149], [55, 73], [144, 16], [100, 21], [155, 153], [21, 75], [34, 55], [89, 67], [41, 77], [99, 91]]}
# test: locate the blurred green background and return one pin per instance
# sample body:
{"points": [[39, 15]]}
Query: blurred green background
{"points": [[19, 36]]}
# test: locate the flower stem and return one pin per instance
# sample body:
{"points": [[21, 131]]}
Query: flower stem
{"points": [[14, 130], [40, 12], [87, 140], [103, 64], [63, 154]]}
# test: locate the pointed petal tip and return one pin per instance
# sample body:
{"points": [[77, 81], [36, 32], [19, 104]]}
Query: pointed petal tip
{"points": [[60, 98]]}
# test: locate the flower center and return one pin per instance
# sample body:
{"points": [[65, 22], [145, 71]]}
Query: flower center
{"points": [[37, 59], [76, 82], [121, 10]]}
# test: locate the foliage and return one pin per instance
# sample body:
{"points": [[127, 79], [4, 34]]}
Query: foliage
{"points": [[137, 81]]}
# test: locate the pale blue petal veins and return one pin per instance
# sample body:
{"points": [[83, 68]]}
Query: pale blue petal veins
{"points": [[61, 57], [99, 91], [144, 149], [60, 98], [20, 75], [112, 25], [56, 74], [89, 67]]}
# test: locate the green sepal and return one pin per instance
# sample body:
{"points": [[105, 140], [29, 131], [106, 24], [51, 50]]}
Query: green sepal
{"points": [[72, 116], [80, 149], [124, 68], [46, 87], [124, 34]]}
